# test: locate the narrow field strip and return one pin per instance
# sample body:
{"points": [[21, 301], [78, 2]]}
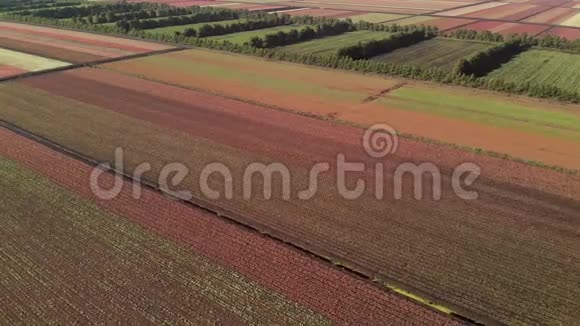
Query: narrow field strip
{"points": [[27, 62], [70, 46], [342, 298]]}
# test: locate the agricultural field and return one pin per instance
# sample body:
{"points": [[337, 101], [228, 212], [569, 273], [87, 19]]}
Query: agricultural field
{"points": [[376, 17], [214, 248], [567, 33], [69, 46], [170, 30], [332, 44], [505, 28], [198, 128], [329, 13], [511, 12], [245, 37], [388, 6], [442, 23], [543, 67], [139, 252], [343, 96], [15, 63], [555, 16], [439, 52]]}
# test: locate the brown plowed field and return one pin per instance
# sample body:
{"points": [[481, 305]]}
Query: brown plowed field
{"points": [[510, 255], [341, 298]]}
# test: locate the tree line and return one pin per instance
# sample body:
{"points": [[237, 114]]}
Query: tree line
{"points": [[200, 17], [457, 76], [145, 17], [216, 29], [81, 11], [483, 62], [18, 7], [307, 33], [373, 48], [547, 41]]}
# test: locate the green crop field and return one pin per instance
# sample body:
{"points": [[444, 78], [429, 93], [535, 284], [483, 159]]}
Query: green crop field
{"points": [[172, 29], [487, 111], [243, 37], [438, 52], [330, 45], [543, 67]]}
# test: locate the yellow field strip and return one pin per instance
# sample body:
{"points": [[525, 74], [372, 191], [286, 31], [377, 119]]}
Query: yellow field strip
{"points": [[28, 62], [573, 21]]}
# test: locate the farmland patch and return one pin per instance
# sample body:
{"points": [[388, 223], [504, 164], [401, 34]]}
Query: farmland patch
{"points": [[376, 17], [244, 37], [542, 67], [28, 62], [330, 45], [170, 30], [441, 53]]}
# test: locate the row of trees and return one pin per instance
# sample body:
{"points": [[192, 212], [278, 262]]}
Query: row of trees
{"points": [[369, 49], [82, 11], [19, 7], [307, 33], [23, 3], [547, 41], [200, 17], [173, 14], [216, 29], [482, 62]]}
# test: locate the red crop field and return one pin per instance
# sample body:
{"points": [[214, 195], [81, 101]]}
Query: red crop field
{"points": [[443, 250], [442, 23], [69, 46], [565, 32], [184, 3], [508, 12], [320, 13], [570, 4], [269, 265], [8, 71], [507, 28], [253, 7]]}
